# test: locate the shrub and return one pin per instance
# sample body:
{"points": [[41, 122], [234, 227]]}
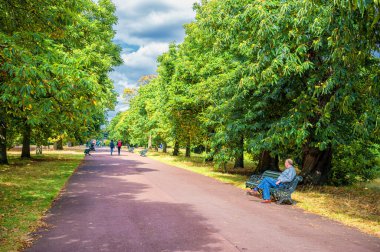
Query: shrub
{"points": [[354, 163]]}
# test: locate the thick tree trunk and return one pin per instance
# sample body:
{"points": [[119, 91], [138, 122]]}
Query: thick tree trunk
{"points": [[188, 147], [176, 149], [164, 147], [239, 158], [25, 153], [267, 162], [58, 145], [316, 165], [3, 142]]}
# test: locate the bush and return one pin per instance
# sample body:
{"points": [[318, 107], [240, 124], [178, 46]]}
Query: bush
{"points": [[354, 163]]}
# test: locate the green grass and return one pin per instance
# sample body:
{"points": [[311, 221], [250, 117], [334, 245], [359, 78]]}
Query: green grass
{"points": [[196, 164], [357, 206], [27, 190]]}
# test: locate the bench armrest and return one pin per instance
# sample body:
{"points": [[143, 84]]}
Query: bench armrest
{"points": [[255, 178], [253, 181]]}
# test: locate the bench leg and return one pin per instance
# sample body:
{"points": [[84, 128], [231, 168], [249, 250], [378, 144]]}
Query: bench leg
{"points": [[285, 198], [281, 197]]}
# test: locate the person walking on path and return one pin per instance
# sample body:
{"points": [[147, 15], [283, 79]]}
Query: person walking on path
{"points": [[112, 145], [286, 176], [119, 144]]}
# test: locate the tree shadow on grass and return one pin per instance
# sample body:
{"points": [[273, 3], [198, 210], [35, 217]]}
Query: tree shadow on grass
{"points": [[355, 202]]}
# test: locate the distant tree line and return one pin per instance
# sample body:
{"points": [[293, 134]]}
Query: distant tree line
{"points": [[276, 79]]}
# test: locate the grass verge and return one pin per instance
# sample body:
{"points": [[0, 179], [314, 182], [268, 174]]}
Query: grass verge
{"points": [[27, 190], [356, 206]]}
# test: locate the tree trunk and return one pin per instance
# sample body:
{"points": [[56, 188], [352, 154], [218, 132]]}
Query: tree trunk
{"points": [[58, 145], [150, 141], [208, 149], [267, 162], [188, 148], [3, 142], [164, 147], [316, 165], [39, 150], [26, 142], [176, 149], [209, 156], [239, 158]]}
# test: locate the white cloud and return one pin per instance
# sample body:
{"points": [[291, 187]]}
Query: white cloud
{"points": [[120, 80], [145, 57], [145, 21], [144, 30]]}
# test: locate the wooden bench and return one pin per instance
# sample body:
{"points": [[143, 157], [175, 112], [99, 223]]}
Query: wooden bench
{"points": [[143, 152], [87, 152], [281, 194], [131, 149]]}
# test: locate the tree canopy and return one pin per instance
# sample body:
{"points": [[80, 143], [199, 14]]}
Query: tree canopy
{"points": [[275, 79], [54, 61]]}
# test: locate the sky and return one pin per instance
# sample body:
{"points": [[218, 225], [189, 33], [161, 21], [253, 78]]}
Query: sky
{"points": [[144, 30]]}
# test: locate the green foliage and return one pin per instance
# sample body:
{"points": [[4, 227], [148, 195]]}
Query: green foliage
{"points": [[355, 163], [118, 128], [285, 76], [54, 65]]}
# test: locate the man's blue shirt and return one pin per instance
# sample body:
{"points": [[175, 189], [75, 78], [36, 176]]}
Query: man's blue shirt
{"points": [[288, 175]]}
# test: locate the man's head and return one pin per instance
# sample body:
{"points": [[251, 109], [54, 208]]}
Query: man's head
{"points": [[288, 163]]}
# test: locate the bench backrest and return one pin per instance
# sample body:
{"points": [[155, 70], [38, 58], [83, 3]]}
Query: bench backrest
{"points": [[290, 186], [271, 174]]}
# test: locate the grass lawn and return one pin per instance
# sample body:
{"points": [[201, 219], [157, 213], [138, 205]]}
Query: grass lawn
{"points": [[27, 190], [356, 206]]}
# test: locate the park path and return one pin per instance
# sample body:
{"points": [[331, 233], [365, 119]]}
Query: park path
{"points": [[131, 203]]}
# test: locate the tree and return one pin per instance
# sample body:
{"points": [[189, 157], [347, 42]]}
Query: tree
{"points": [[293, 75], [56, 71], [19, 20], [273, 78]]}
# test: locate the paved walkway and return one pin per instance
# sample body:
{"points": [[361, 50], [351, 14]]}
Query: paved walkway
{"points": [[132, 203]]}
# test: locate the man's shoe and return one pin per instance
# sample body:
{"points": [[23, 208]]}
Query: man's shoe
{"points": [[266, 201]]}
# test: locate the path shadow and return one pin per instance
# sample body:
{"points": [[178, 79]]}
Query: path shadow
{"points": [[101, 210]]}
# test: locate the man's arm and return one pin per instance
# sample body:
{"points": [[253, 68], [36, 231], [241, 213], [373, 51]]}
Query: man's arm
{"points": [[286, 176]]}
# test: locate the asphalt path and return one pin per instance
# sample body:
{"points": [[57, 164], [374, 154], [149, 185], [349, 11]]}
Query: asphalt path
{"points": [[133, 203]]}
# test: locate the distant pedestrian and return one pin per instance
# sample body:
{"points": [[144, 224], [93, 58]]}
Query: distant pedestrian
{"points": [[112, 145], [119, 144]]}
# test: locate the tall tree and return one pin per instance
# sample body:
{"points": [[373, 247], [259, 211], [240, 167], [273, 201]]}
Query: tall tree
{"points": [[57, 68]]}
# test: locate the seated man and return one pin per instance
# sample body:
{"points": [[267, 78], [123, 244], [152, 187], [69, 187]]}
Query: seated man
{"points": [[286, 176]]}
